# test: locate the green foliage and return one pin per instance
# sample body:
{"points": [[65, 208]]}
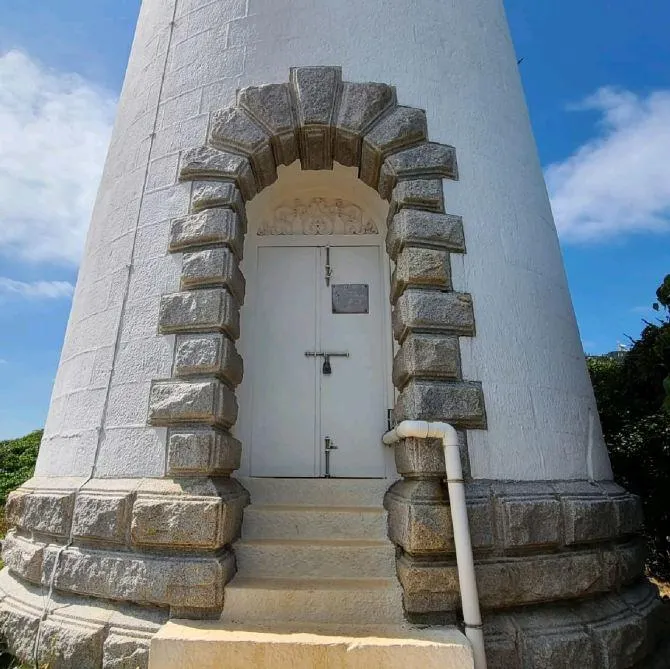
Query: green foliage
{"points": [[640, 455], [17, 462], [663, 293], [633, 395]]}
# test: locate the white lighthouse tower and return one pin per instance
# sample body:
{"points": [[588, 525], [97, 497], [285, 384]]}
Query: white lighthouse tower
{"points": [[318, 220]]}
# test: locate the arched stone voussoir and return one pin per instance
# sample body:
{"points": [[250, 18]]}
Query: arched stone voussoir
{"points": [[361, 106], [233, 129], [315, 93], [270, 106], [205, 162], [319, 119]]}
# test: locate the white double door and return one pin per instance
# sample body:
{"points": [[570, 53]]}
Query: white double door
{"points": [[297, 407]]}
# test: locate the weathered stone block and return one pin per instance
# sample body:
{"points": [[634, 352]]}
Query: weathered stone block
{"points": [[428, 586], [203, 452], [603, 632], [629, 514], [418, 194], [213, 354], [564, 649], [208, 228], [415, 227], [233, 129], [210, 402], [270, 105], [431, 311], [19, 627], [206, 310], [143, 579], [530, 522], [399, 129], [500, 643], [46, 513], [64, 646], [23, 557], [315, 92], [630, 559], [420, 518], [539, 578], [589, 520], [213, 267], [420, 267], [176, 522], [218, 195], [424, 355], [125, 652], [204, 162], [620, 633], [360, 106], [427, 159], [194, 522], [103, 517], [420, 457], [459, 403]]}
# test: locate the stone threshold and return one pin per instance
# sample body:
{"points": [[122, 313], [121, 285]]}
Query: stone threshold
{"points": [[186, 644]]}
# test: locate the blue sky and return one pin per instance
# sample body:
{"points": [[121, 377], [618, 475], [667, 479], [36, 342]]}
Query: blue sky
{"points": [[598, 86]]}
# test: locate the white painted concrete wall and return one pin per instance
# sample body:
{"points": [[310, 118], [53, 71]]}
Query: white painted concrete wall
{"points": [[453, 58]]}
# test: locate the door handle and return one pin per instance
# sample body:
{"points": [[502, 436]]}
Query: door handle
{"points": [[329, 446]]}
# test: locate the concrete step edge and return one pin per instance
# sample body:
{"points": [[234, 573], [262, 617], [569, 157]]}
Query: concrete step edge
{"points": [[315, 543], [311, 584], [310, 508]]}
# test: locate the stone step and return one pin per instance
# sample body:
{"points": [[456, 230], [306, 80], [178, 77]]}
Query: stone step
{"points": [[213, 645], [316, 492], [355, 601], [318, 522], [273, 558]]}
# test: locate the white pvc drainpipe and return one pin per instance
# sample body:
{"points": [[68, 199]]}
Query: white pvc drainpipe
{"points": [[465, 564]]}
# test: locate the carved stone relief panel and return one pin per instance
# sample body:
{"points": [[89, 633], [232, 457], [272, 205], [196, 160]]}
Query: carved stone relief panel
{"points": [[318, 216]]}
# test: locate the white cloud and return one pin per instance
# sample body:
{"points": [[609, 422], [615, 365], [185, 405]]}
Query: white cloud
{"points": [[3, 361], [54, 132], [618, 182], [36, 289]]}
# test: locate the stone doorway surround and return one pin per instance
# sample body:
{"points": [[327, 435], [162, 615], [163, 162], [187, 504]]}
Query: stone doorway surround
{"points": [[559, 563]]}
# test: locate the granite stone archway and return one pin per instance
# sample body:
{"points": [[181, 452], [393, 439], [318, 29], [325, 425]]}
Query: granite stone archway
{"points": [[318, 119]]}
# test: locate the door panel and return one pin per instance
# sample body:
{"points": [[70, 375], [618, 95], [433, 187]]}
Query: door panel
{"points": [[294, 404], [284, 389], [352, 396]]}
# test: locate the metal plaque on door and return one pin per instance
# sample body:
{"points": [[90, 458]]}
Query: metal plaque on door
{"points": [[351, 298]]}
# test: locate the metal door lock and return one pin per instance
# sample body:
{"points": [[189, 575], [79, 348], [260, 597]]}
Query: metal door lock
{"points": [[326, 369]]}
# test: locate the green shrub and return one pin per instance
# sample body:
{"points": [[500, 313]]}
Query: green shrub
{"points": [[640, 455], [633, 395], [17, 464]]}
